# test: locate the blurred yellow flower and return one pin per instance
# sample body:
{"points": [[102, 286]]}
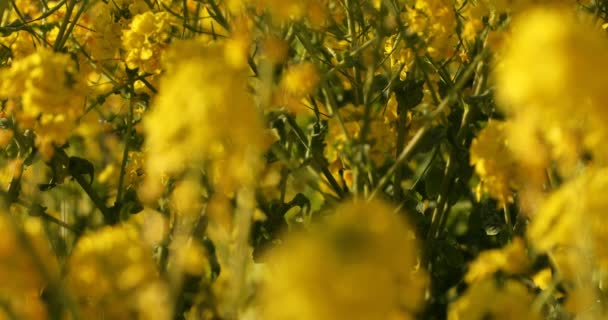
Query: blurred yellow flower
{"points": [[513, 258], [489, 300], [112, 273], [546, 83], [574, 217], [25, 269], [203, 112], [361, 264], [49, 93]]}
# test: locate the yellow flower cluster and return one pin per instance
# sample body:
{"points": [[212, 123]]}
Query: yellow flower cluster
{"points": [[283, 11], [544, 84], [573, 216], [361, 264], [298, 82], [146, 40], [103, 39], [21, 44], [113, 275], [203, 113], [512, 259], [197, 105], [490, 300], [434, 21], [47, 95]]}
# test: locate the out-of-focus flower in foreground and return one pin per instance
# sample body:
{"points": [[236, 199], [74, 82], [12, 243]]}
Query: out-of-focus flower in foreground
{"points": [[361, 264]]}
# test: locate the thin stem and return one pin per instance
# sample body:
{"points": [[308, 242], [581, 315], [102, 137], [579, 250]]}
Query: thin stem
{"points": [[400, 159], [438, 213], [66, 20], [316, 158], [508, 221], [71, 27], [125, 153]]}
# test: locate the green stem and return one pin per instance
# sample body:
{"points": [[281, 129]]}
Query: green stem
{"points": [[125, 153], [317, 161], [70, 28], [109, 217], [439, 211], [508, 221], [401, 132], [66, 21], [404, 155]]}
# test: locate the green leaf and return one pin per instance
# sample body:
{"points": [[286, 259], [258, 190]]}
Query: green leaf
{"points": [[409, 93], [79, 166]]}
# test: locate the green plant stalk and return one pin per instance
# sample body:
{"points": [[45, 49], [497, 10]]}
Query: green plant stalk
{"points": [[70, 28], [109, 217], [508, 221], [312, 183], [24, 25], [438, 218], [451, 97], [438, 212], [125, 154], [315, 157], [66, 20], [401, 132]]}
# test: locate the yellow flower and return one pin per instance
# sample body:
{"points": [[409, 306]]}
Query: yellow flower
{"points": [[435, 22], [334, 272], [146, 40], [20, 42], [112, 272], [574, 217], [283, 11], [493, 161], [512, 259], [49, 92], [546, 81], [489, 300], [103, 39], [203, 112], [20, 274], [298, 82]]}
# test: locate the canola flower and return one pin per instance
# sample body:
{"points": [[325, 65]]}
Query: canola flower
{"points": [[144, 41], [557, 108], [112, 273], [46, 94], [27, 268], [360, 264], [510, 300], [203, 126], [563, 221]]}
